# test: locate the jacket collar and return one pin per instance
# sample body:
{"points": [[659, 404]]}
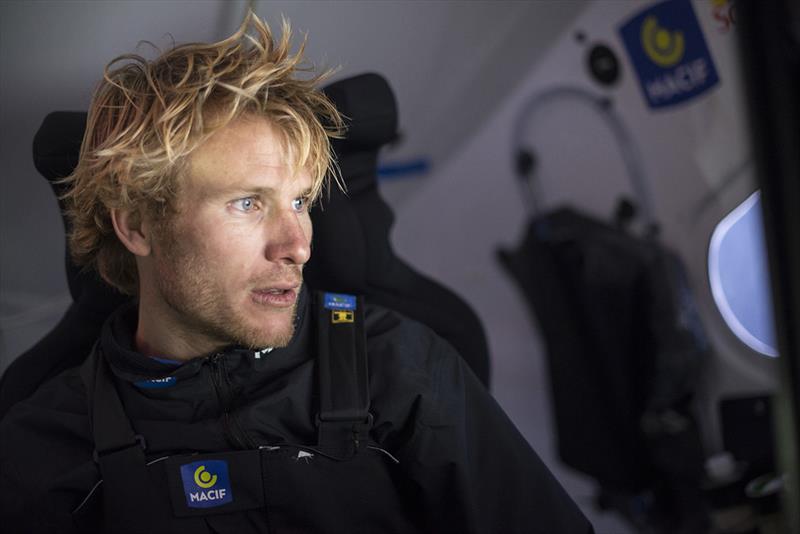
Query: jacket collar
{"points": [[117, 344]]}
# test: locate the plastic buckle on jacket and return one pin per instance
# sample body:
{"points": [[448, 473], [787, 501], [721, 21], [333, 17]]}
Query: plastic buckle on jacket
{"points": [[139, 440], [343, 435]]}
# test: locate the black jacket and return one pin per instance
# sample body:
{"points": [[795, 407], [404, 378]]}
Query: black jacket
{"points": [[443, 457]]}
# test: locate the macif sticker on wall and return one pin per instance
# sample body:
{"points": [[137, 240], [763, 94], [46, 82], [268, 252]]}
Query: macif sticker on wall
{"points": [[668, 52]]}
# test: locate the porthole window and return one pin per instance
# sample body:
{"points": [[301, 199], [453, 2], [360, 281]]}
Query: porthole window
{"points": [[737, 270]]}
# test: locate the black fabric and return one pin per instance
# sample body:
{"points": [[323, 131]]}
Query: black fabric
{"points": [[624, 350], [344, 420], [440, 457], [623, 340], [370, 111], [343, 399], [56, 147], [352, 251], [591, 357], [364, 263], [119, 451], [342, 360], [66, 345]]}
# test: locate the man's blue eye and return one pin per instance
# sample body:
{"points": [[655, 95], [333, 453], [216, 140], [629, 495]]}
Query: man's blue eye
{"points": [[245, 204], [299, 204]]}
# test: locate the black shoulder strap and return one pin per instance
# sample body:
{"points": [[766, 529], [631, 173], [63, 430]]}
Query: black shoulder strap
{"points": [[119, 451], [344, 419]]}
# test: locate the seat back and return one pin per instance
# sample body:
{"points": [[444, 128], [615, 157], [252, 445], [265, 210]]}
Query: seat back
{"points": [[352, 250]]}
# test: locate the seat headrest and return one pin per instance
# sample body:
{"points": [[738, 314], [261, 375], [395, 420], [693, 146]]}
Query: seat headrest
{"points": [[57, 144], [370, 109]]}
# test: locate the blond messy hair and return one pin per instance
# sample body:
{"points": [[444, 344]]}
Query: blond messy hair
{"points": [[147, 117]]}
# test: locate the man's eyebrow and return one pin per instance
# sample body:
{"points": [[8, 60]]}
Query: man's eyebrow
{"points": [[254, 190]]}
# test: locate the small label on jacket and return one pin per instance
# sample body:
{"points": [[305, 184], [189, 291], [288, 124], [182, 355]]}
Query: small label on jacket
{"points": [[342, 316], [156, 383], [340, 301], [206, 484]]}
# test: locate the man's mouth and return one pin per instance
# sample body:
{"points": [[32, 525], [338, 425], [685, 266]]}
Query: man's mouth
{"points": [[279, 295]]}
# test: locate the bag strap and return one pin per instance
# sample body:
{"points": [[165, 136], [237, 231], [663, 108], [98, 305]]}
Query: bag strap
{"points": [[119, 451], [344, 420]]}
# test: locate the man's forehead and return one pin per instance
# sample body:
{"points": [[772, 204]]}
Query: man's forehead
{"points": [[248, 140], [246, 155]]}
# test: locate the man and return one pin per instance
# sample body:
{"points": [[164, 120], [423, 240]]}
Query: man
{"points": [[226, 397]]}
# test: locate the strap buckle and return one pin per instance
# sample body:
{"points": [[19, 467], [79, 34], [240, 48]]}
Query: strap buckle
{"points": [[343, 436], [138, 440]]}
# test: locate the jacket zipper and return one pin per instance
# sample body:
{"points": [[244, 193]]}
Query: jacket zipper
{"points": [[219, 379]]}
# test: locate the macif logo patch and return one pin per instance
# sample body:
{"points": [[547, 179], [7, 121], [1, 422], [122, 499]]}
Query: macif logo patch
{"points": [[206, 484], [668, 51], [156, 383]]}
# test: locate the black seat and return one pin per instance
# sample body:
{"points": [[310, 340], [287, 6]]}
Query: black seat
{"points": [[352, 252], [361, 262]]}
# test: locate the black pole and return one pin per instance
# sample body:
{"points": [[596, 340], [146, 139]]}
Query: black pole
{"points": [[770, 54]]}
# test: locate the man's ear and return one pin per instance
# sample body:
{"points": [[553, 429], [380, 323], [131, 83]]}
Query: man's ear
{"points": [[132, 230]]}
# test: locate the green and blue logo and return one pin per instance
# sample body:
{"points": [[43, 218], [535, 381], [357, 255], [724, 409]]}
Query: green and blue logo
{"points": [[670, 55], [206, 484], [339, 301]]}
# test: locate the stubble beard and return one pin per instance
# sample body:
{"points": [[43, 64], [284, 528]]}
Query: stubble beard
{"points": [[201, 307]]}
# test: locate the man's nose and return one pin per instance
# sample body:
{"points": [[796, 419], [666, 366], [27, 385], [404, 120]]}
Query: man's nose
{"points": [[289, 239]]}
